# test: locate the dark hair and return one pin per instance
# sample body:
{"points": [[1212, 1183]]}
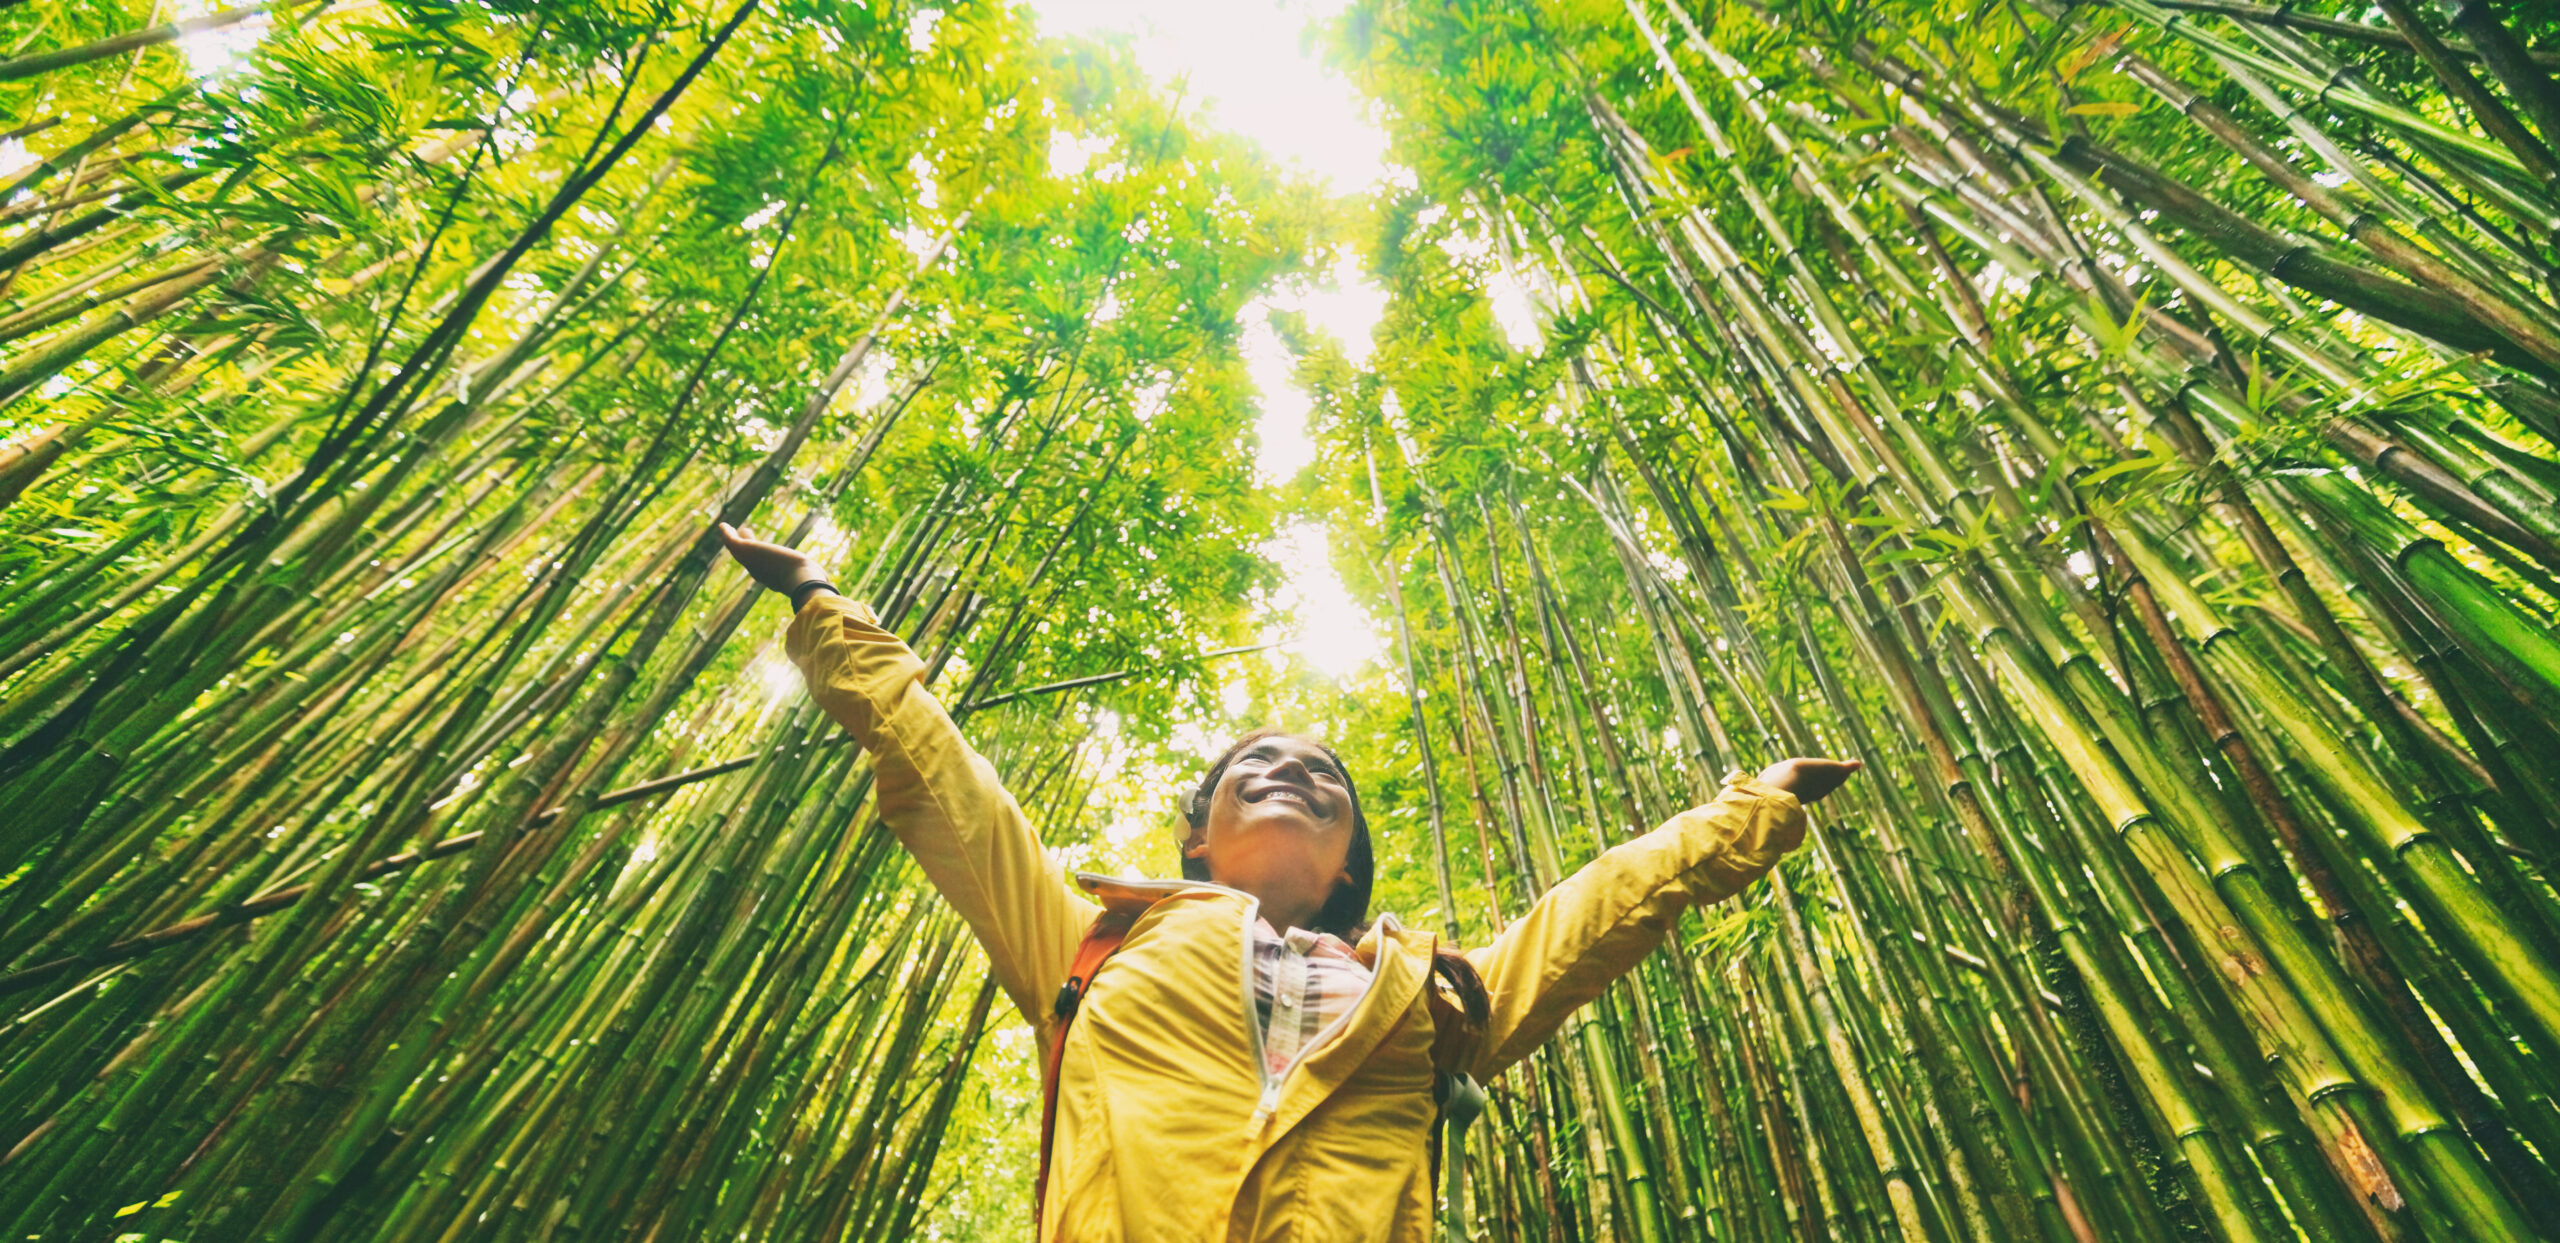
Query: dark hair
{"points": [[1345, 913]]}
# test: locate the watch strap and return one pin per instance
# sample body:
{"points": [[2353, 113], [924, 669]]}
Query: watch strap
{"points": [[800, 594]]}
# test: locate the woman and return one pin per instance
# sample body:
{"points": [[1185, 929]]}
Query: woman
{"points": [[1256, 1061]]}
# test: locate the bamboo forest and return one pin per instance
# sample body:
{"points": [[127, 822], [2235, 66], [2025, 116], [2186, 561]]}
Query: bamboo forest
{"points": [[2131, 427]]}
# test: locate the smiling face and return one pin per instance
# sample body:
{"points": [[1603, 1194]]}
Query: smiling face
{"points": [[1279, 824]]}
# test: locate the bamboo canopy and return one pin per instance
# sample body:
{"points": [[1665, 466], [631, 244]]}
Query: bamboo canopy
{"points": [[2131, 426]]}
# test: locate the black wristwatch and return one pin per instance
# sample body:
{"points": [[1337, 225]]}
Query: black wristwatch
{"points": [[800, 594]]}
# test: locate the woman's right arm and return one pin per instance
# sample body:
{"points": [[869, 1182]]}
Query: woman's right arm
{"points": [[942, 799]]}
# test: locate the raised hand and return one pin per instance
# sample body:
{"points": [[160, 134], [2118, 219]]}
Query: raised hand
{"points": [[1809, 778], [776, 566]]}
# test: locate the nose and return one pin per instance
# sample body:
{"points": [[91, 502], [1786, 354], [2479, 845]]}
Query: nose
{"points": [[1291, 769]]}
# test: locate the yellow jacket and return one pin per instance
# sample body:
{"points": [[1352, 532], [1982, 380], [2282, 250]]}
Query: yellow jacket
{"points": [[1166, 1128]]}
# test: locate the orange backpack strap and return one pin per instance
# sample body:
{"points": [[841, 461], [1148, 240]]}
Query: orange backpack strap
{"points": [[1101, 941]]}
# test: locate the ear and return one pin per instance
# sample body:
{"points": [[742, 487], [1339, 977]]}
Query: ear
{"points": [[1196, 846]]}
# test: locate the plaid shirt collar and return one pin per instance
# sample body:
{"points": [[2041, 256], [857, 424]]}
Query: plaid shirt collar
{"points": [[1304, 985]]}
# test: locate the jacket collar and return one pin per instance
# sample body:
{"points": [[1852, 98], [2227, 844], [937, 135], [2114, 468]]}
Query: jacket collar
{"points": [[1132, 895]]}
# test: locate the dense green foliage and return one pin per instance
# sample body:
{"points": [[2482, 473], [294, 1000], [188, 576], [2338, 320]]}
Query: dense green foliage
{"points": [[371, 513], [2130, 427], [2133, 427]]}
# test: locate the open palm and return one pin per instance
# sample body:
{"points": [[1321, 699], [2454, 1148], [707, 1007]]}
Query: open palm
{"points": [[1810, 778], [777, 566]]}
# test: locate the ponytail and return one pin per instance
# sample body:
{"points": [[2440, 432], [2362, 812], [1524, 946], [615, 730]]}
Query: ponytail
{"points": [[1449, 967]]}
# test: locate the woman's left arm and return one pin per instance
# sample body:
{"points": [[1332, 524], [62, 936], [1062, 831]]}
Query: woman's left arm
{"points": [[1597, 925]]}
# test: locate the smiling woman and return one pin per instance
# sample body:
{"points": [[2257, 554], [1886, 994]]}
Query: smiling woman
{"points": [[1241, 1053], [1280, 818]]}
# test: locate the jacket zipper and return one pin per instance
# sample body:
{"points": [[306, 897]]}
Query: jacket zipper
{"points": [[1271, 1083], [1269, 1102]]}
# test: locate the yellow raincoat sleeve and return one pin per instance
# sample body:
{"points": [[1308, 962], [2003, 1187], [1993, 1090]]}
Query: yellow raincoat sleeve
{"points": [[1595, 927], [943, 801]]}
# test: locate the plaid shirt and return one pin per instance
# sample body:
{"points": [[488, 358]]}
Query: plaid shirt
{"points": [[1304, 985]]}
